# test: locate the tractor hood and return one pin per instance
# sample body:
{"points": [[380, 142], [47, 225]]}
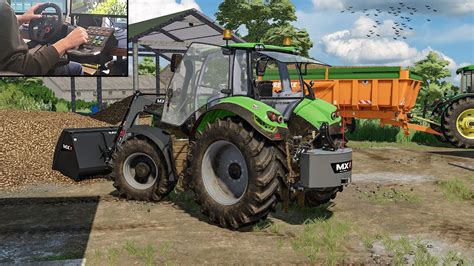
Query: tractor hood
{"points": [[317, 112]]}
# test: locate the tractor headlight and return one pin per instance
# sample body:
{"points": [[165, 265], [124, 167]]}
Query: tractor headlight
{"points": [[334, 116], [274, 117]]}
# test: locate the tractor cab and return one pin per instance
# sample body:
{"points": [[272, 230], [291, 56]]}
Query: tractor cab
{"points": [[467, 79], [208, 73]]}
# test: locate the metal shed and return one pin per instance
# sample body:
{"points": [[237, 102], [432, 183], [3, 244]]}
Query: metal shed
{"points": [[173, 33]]}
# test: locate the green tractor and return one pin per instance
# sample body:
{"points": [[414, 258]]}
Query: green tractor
{"points": [[455, 114], [250, 146]]}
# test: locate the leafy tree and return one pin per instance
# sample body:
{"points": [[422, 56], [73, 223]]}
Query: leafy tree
{"points": [[147, 67], [111, 7], [433, 69], [300, 38], [31, 88], [263, 19]]}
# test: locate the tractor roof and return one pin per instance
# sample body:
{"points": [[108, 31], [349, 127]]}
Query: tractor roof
{"points": [[267, 47], [471, 67]]}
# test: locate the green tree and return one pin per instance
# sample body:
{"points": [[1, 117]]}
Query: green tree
{"points": [[263, 19], [147, 67], [433, 69], [111, 7], [300, 38]]}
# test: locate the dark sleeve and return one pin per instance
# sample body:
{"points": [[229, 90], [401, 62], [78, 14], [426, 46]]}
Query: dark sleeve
{"points": [[14, 53]]}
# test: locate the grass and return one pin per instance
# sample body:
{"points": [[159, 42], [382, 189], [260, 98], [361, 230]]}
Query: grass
{"points": [[185, 200], [456, 190], [371, 131], [268, 226], [148, 254], [391, 195], [321, 239], [63, 256]]}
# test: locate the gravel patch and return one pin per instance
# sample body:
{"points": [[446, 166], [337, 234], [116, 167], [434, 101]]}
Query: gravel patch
{"points": [[390, 177], [28, 140]]}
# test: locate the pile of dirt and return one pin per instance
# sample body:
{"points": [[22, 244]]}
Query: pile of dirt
{"points": [[115, 112], [27, 142]]}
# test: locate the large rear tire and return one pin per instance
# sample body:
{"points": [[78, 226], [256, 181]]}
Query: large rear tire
{"points": [[458, 125], [139, 171], [234, 173]]}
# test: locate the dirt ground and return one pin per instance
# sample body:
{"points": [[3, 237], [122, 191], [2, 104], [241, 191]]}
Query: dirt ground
{"points": [[395, 211]]}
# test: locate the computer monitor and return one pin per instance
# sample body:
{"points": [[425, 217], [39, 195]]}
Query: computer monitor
{"points": [[21, 6], [104, 8]]}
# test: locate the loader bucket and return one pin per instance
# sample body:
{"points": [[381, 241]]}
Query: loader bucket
{"points": [[81, 152]]}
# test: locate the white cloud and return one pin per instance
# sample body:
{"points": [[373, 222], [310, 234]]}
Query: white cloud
{"points": [[353, 47], [140, 10], [444, 7]]}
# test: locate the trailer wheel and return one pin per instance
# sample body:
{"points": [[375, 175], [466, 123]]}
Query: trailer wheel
{"points": [[139, 171], [458, 123], [316, 197], [234, 173]]}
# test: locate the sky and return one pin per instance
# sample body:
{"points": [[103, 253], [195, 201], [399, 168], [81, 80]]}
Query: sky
{"points": [[341, 38]]}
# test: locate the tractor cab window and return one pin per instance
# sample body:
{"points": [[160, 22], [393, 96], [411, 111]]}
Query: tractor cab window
{"points": [[277, 83], [240, 83], [201, 79], [274, 79], [467, 82]]}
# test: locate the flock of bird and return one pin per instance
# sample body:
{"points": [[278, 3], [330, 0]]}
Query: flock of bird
{"points": [[403, 15]]}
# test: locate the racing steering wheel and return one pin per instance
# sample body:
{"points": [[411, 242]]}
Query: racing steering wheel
{"points": [[44, 29]]}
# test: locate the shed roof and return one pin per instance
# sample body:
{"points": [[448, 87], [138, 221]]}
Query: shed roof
{"points": [[173, 33]]}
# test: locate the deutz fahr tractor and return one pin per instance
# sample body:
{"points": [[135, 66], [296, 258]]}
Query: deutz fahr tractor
{"points": [[250, 146], [455, 114]]}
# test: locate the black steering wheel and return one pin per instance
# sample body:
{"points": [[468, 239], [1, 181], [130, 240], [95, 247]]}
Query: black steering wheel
{"points": [[45, 29]]}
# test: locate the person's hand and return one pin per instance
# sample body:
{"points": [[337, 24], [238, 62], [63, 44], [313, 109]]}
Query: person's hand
{"points": [[77, 37], [29, 15]]}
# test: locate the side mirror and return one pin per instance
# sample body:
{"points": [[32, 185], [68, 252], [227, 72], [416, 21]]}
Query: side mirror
{"points": [[175, 61], [261, 66]]}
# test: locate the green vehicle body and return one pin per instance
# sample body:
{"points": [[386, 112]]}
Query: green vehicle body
{"points": [[466, 90], [314, 111], [255, 112]]}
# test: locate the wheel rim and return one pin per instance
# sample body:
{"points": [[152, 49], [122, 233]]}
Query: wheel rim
{"points": [[140, 171], [465, 124], [224, 172]]}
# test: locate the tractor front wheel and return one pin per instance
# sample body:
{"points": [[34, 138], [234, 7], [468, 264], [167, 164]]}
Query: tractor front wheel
{"points": [[139, 171], [234, 173], [458, 123]]}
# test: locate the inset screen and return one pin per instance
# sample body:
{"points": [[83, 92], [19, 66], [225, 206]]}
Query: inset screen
{"points": [[106, 8], [21, 6]]}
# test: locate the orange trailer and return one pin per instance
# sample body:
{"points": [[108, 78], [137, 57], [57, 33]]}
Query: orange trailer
{"points": [[385, 93]]}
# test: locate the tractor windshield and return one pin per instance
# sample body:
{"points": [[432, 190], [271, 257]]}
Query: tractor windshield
{"points": [[200, 79], [467, 82]]}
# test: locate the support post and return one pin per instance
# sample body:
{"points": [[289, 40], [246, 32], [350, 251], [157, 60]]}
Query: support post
{"points": [[135, 66], [73, 94], [158, 73], [99, 92]]}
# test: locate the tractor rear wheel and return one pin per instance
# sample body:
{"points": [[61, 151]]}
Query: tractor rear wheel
{"points": [[139, 171], [234, 173], [458, 123]]}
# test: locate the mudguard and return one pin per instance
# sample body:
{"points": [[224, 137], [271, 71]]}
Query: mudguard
{"points": [[316, 112], [161, 139], [252, 111]]}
